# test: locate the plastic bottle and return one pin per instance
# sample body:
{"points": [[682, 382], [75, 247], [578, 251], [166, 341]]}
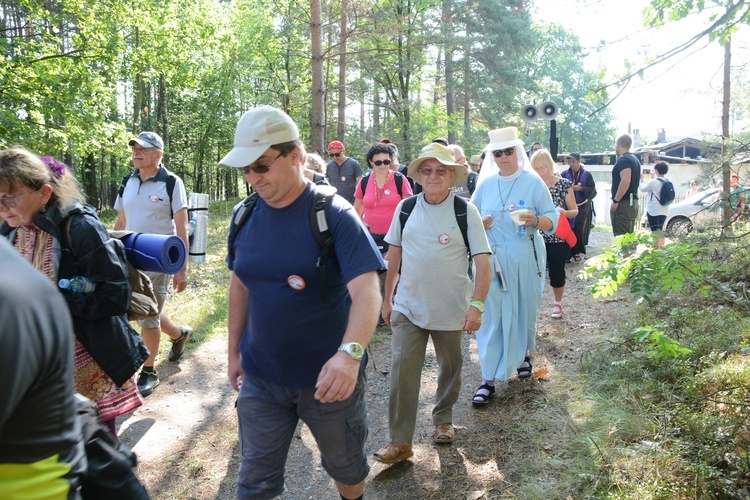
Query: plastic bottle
{"points": [[77, 284], [521, 230]]}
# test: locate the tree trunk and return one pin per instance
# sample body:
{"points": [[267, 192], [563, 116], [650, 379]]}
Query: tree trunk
{"points": [[137, 91], [318, 89], [450, 92], [725, 153], [161, 116], [376, 108], [340, 128]]}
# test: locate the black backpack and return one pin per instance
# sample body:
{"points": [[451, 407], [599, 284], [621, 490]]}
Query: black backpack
{"points": [[398, 177], [318, 224], [171, 181], [667, 192], [459, 208]]}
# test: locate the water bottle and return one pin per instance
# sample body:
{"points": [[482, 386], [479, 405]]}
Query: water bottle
{"points": [[77, 284], [521, 230]]}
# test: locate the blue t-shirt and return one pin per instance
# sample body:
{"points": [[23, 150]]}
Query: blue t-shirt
{"points": [[290, 333]]}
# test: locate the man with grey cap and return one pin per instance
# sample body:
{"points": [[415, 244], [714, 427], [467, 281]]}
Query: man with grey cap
{"points": [[291, 356], [434, 299], [153, 200]]}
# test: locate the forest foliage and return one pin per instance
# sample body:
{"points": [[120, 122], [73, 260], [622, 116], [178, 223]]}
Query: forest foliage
{"points": [[80, 78]]}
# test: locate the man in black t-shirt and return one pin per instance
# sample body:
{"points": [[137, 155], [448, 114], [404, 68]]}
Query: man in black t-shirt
{"points": [[343, 172], [626, 175]]}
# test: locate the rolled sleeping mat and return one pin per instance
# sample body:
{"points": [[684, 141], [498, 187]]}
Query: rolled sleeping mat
{"points": [[159, 253]]}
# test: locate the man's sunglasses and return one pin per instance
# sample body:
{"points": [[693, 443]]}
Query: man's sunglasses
{"points": [[440, 171], [377, 163], [332, 155], [260, 169], [507, 152]]}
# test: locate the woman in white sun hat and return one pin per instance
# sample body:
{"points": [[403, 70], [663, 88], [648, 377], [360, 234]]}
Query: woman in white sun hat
{"points": [[508, 184]]}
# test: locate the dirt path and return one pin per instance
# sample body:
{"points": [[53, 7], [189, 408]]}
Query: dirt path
{"points": [[186, 437]]}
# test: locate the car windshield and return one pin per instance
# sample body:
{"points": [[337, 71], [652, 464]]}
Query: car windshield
{"points": [[699, 196]]}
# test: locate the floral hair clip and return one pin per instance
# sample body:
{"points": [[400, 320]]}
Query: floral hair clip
{"points": [[58, 168]]}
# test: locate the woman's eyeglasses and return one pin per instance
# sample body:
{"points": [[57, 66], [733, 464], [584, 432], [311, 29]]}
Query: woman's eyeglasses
{"points": [[260, 169], [427, 171], [12, 201], [498, 153], [334, 155], [377, 163]]}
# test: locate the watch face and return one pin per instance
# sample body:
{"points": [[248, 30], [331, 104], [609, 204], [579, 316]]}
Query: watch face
{"points": [[356, 350]]}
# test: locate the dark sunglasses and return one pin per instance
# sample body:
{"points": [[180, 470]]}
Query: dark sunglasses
{"points": [[499, 152], [260, 169], [377, 163], [334, 155], [427, 171]]}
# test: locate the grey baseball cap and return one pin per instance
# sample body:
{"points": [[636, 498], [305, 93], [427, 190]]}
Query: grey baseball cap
{"points": [[148, 140]]}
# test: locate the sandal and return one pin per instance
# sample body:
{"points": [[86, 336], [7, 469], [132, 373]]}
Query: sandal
{"points": [[524, 371], [483, 398], [393, 453], [445, 433], [557, 311], [577, 257]]}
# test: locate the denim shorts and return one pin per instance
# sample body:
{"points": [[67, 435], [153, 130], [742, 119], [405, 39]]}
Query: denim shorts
{"points": [[268, 415], [160, 281]]}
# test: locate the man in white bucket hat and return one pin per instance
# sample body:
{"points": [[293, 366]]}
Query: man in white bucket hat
{"points": [[434, 298], [292, 356]]}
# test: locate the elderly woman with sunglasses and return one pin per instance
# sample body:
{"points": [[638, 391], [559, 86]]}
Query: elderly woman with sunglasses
{"points": [[46, 221], [379, 193], [507, 184]]}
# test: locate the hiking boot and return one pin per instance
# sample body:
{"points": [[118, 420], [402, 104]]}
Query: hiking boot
{"points": [[147, 381], [178, 346]]}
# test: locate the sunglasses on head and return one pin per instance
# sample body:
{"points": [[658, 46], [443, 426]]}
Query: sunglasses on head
{"points": [[377, 163], [260, 169], [499, 152], [332, 155], [427, 171]]}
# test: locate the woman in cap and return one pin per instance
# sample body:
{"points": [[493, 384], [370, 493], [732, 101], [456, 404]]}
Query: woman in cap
{"points": [[508, 332]]}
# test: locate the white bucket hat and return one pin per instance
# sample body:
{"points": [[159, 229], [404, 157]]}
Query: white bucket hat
{"points": [[503, 138], [259, 129]]}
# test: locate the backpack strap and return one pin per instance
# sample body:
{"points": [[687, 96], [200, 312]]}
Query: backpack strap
{"points": [[461, 209], [363, 184], [662, 185], [322, 233], [239, 217], [407, 207], [399, 182], [123, 183]]}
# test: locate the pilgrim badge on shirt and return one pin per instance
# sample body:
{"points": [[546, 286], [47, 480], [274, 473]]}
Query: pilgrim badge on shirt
{"points": [[444, 239], [296, 282], [343, 178], [510, 207], [154, 198], [387, 192]]}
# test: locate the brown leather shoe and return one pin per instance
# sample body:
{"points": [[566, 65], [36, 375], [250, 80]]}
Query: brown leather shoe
{"points": [[444, 433], [393, 453]]}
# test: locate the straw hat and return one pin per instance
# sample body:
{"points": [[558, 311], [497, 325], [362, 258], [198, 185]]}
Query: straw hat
{"points": [[442, 154]]}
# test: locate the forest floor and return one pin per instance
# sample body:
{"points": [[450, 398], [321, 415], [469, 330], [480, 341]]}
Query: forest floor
{"points": [[185, 435]]}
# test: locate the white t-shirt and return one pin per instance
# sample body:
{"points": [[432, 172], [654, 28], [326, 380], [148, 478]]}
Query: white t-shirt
{"points": [[653, 190], [434, 290]]}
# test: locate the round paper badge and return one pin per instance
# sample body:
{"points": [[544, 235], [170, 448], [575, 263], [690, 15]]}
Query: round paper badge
{"points": [[387, 192], [510, 207], [296, 282], [343, 178], [154, 198], [444, 239]]}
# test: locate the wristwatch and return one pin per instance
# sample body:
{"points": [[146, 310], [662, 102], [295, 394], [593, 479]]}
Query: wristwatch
{"points": [[478, 304], [353, 349]]}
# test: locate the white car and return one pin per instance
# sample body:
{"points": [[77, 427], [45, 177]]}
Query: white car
{"points": [[698, 210]]}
